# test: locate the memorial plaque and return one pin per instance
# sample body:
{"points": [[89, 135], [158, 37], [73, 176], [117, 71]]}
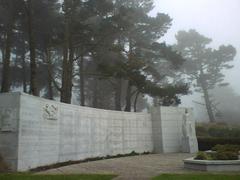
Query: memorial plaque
{"points": [[50, 112], [6, 119]]}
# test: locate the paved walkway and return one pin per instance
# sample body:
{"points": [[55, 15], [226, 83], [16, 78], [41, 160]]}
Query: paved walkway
{"points": [[127, 168]]}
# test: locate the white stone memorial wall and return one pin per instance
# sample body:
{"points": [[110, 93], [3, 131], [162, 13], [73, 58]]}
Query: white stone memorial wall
{"points": [[9, 118], [37, 132], [168, 124]]}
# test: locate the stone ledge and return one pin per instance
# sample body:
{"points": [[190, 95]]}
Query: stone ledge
{"points": [[212, 165]]}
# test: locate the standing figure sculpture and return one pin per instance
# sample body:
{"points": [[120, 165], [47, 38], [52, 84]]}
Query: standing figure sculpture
{"points": [[189, 141]]}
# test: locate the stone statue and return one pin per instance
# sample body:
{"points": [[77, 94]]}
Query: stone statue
{"points": [[184, 125], [187, 126], [189, 140]]}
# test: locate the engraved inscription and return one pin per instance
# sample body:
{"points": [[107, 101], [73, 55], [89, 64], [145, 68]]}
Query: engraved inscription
{"points": [[50, 112], [6, 119]]}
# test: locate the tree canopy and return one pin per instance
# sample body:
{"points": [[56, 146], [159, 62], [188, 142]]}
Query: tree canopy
{"points": [[204, 65], [106, 54]]}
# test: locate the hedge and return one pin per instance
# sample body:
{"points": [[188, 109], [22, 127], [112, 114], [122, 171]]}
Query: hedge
{"points": [[218, 130], [207, 143]]}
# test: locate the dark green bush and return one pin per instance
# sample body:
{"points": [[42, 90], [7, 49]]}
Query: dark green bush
{"points": [[235, 132], [221, 155], [227, 148], [221, 152], [203, 156], [225, 155], [218, 130], [201, 131], [207, 143]]}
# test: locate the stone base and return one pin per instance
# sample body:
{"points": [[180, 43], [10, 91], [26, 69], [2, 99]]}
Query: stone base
{"points": [[189, 145], [212, 166]]}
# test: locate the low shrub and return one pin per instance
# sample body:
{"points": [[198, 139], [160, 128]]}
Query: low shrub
{"points": [[203, 156], [220, 152], [227, 148], [218, 130], [221, 155], [207, 143], [201, 131], [225, 155]]}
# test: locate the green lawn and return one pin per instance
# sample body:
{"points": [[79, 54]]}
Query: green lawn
{"points": [[55, 177], [197, 177]]}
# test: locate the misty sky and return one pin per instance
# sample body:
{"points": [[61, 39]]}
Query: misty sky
{"points": [[216, 19]]}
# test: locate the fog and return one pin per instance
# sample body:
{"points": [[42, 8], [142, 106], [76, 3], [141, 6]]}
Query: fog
{"points": [[97, 47], [216, 19]]}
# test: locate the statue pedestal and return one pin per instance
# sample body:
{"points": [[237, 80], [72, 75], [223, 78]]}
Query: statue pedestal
{"points": [[189, 145]]}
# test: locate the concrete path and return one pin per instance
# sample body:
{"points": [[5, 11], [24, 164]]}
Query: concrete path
{"points": [[127, 168]]}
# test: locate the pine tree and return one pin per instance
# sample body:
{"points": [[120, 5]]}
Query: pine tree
{"points": [[204, 65]]}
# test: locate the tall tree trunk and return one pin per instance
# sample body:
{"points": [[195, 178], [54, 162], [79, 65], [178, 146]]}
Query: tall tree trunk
{"points": [[50, 74], [207, 98], [3, 56], [66, 90], [33, 65], [135, 101], [24, 80], [208, 105], [82, 81], [5, 85], [3, 51], [67, 66], [118, 87], [95, 94], [118, 95], [70, 72], [129, 86], [64, 73], [128, 97]]}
